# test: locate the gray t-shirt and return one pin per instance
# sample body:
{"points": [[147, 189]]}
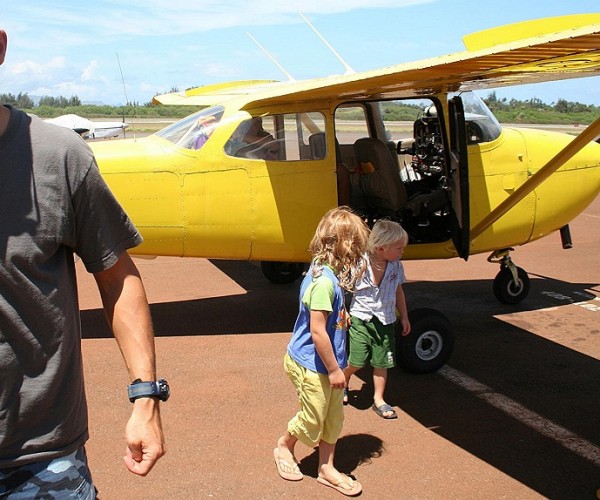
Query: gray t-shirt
{"points": [[53, 203]]}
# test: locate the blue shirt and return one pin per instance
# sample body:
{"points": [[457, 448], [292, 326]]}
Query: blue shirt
{"points": [[301, 347]]}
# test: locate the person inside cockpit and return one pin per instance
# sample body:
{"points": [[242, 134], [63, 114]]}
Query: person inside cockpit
{"points": [[251, 140]]}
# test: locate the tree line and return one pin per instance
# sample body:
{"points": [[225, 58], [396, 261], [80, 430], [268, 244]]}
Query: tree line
{"points": [[506, 111], [23, 101]]}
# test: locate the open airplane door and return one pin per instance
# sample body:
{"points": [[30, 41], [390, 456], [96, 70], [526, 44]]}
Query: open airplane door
{"points": [[459, 178]]}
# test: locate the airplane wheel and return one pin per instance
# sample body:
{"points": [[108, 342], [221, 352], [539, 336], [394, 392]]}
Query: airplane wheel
{"points": [[505, 288], [281, 273], [429, 344]]}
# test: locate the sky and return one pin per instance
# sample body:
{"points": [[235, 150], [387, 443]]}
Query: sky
{"points": [[123, 51]]}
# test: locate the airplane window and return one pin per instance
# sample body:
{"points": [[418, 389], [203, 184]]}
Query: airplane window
{"points": [[253, 138], [193, 131], [482, 125], [285, 137], [351, 123]]}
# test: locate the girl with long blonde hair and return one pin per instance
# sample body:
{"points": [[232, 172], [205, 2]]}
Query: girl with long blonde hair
{"points": [[316, 354]]}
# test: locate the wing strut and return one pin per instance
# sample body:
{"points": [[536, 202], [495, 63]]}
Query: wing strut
{"points": [[275, 62], [588, 135], [349, 70]]}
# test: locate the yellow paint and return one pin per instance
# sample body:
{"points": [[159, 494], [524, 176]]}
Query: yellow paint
{"points": [[527, 29], [206, 204]]}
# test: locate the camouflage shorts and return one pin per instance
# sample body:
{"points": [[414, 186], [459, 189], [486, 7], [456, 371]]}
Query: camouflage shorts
{"points": [[60, 478]]}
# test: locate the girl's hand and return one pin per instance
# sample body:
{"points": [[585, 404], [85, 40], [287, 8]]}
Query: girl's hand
{"points": [[337, 379]]}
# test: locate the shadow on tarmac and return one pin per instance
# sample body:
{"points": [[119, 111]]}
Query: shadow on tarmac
{"points": [[351, 451], [557, 383]]}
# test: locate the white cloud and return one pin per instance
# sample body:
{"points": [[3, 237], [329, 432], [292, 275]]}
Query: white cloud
{"points": [[88, 71], [32, 67], [118, 20]]}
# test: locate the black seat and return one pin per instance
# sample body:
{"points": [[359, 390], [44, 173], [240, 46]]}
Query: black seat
{"points": [[379, 178], [381, 185], [318, 145]]}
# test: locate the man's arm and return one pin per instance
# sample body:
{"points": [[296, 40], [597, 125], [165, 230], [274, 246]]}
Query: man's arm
{"points": [[126, 309]]}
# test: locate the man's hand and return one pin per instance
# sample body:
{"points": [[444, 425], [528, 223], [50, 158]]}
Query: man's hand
{"points": [[144, 436]]}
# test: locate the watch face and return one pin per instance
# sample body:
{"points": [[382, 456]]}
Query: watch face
{"points": [[164, 389]]}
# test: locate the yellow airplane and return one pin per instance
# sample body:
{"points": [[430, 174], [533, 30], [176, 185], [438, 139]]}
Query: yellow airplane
{"points": [[250, 175]]}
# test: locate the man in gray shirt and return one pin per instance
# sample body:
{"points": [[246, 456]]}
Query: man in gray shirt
{"points": [[54, 204]]}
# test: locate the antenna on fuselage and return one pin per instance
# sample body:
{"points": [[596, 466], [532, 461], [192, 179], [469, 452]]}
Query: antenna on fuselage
{"points": [[268, 54], [126, 98], [349, 70]]}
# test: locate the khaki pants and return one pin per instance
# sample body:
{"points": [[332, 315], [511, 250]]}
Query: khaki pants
{"points": [[321, 415]]}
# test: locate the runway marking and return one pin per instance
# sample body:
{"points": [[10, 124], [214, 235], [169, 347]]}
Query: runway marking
{"points": [[563, 436], [589, 302]]}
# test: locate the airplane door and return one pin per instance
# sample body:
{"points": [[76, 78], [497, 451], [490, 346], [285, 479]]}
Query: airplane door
{"points": [[459, 178]]}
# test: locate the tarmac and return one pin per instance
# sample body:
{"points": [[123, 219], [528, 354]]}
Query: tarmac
{"points": [[514, 413]]}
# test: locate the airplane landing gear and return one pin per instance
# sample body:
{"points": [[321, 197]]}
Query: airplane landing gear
{"points": [[511, 284], [281, 273], [429, 344]]}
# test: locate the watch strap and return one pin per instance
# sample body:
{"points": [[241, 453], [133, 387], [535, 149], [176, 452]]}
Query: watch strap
{"points": [[153, 389]]}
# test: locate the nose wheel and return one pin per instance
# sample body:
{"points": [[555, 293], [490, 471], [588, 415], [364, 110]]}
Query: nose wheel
{"points": [[511, 284]]}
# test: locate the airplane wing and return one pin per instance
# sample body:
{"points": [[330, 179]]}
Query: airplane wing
{"points": [[209, 95], [570, 53], [87, 127], [529, 52], [72, 121]]}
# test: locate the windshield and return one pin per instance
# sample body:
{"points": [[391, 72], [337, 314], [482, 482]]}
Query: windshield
{"points": [[193, 131], [482, 125]]}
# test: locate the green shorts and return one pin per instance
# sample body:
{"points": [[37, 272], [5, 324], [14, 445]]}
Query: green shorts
{"points": [[372, 342]]}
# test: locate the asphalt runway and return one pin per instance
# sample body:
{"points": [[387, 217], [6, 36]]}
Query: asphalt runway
{"points": [[514, 414]]}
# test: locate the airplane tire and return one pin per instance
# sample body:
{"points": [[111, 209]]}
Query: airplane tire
{"points": [[281, 273], [505, 288], [429, 344]]}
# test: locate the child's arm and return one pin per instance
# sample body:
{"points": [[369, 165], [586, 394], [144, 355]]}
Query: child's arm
{"points": [[318, 331], [402, 309]]}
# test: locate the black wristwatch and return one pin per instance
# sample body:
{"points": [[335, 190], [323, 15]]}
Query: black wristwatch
{"points": [[156, 389]]}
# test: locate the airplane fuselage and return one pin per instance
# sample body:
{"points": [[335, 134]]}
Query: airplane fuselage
{"points": [[207, 203]]}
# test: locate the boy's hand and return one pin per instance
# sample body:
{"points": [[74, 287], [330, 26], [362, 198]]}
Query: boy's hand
{"points": [[405, 326]]}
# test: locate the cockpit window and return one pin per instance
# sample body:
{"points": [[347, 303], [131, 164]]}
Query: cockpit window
{"points": [[193, 131], [254, 138], [284, 137], [482, 125]]}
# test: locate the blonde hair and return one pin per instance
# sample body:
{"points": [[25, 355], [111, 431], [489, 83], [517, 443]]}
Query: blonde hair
{"points": [[340, 242], [384, 233]]}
